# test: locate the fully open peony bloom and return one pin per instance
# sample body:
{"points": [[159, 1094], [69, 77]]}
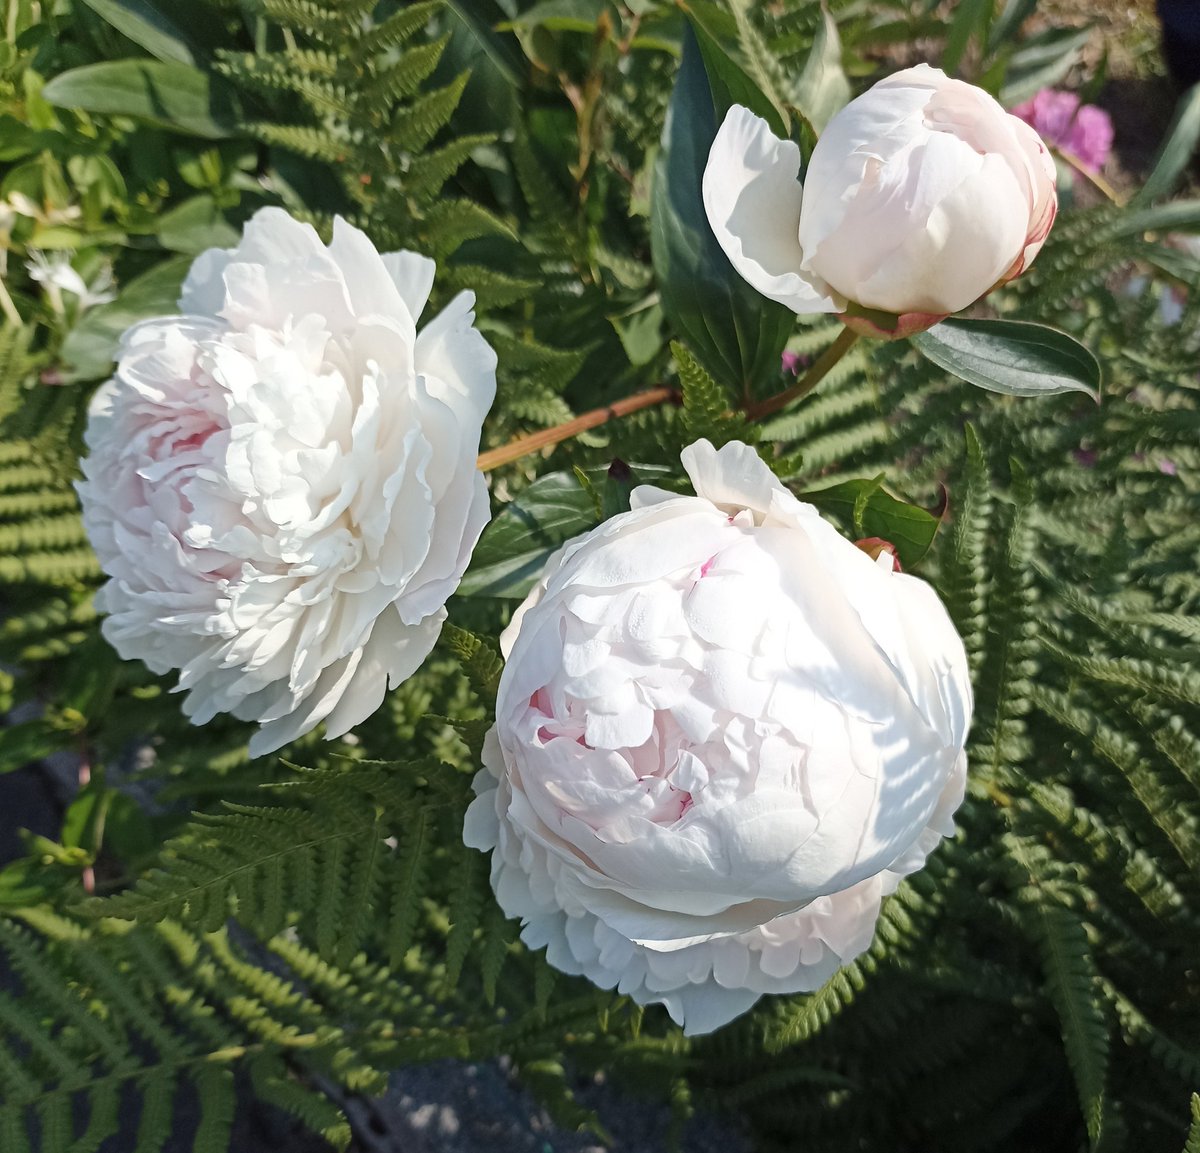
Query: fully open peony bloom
{"points": [[281, 483], [723, 734], [920, 197]]}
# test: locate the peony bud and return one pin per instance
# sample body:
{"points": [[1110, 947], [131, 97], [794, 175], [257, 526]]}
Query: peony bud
{"points": [[920, 197], [281, 483], [723, 733]]}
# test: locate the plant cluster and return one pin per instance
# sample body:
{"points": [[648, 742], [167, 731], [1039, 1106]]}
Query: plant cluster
{"points": [[306, 924]]}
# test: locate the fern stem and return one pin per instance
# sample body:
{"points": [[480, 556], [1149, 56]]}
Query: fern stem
{"points": [[8, 308], [524, 445], [1094, 178], [846, 340]]}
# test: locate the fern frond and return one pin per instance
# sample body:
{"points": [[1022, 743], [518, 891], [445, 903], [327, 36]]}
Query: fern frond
{"points": [[1071, 982], [807, 1016], [322, 21], [480, 660], [707, 411], [398, 28], [315, 143], [401, 78], [1193, 1139], [419, 122]]}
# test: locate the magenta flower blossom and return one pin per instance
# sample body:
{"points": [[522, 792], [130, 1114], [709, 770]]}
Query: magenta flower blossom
{"points": [[1084, 131]]}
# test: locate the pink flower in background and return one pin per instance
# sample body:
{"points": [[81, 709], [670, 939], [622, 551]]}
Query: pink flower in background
{"points": [[1084, 131]]}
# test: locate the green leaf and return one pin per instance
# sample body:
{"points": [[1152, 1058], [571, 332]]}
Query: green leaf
{"points": [[147, 27], [736, 333], [1173, 216], [83, 822], [18, 139], [1010, 356], [727, 80], [970, 17], [91, 347], [195, 225], [822, 88], [1177, 149], [495, 64], [27, 742], [25, 882], [706, 406], [174, 95], [1041, 62], [1008, 21], [873, 511], [562, 16], [513, 549]]}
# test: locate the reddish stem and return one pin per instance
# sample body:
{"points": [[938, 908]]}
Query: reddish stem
{"points": [[524, 445]]}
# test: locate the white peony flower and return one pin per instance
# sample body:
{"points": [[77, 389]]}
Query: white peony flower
{"points": [[281, 482], [723, 734], [920, 197]]}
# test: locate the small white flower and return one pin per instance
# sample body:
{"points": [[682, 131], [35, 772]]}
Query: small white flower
{"points": [[920, 196], [25, 206], [281, 482], [56, 276], [723, 734]]}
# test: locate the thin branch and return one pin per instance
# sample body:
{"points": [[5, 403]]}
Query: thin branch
{"points": [[1095, 178], [846, 340], [524, 445]]}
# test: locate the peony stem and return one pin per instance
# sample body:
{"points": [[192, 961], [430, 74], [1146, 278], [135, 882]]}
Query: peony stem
{"points": [[844, 343], [88, 877], [1095, 178], [524, 445]]}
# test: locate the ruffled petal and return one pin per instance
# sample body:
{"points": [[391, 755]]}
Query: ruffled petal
{"points": [[752, 195]]}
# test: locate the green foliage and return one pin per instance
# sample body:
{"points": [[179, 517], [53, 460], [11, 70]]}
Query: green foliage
{"points": [[707, 411], [1063, 902], [305, 931]]}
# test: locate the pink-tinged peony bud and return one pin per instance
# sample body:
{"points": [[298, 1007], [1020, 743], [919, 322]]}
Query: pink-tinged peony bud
{"points": [[920, 197], [723, 734], [281, 482], [1085, 132]]}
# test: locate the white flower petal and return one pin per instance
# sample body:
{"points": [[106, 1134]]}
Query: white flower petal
{"points": [[282, 506], [752, 195], [919, 197], [723, 732]]}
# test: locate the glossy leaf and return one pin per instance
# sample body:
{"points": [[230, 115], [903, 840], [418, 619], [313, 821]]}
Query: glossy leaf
{"points": [[1013, 357], [738, 334], [872, 511], [727, 79], [147, 27], [195, 225], [171, 94], [1177, 149], [514, 548]]}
